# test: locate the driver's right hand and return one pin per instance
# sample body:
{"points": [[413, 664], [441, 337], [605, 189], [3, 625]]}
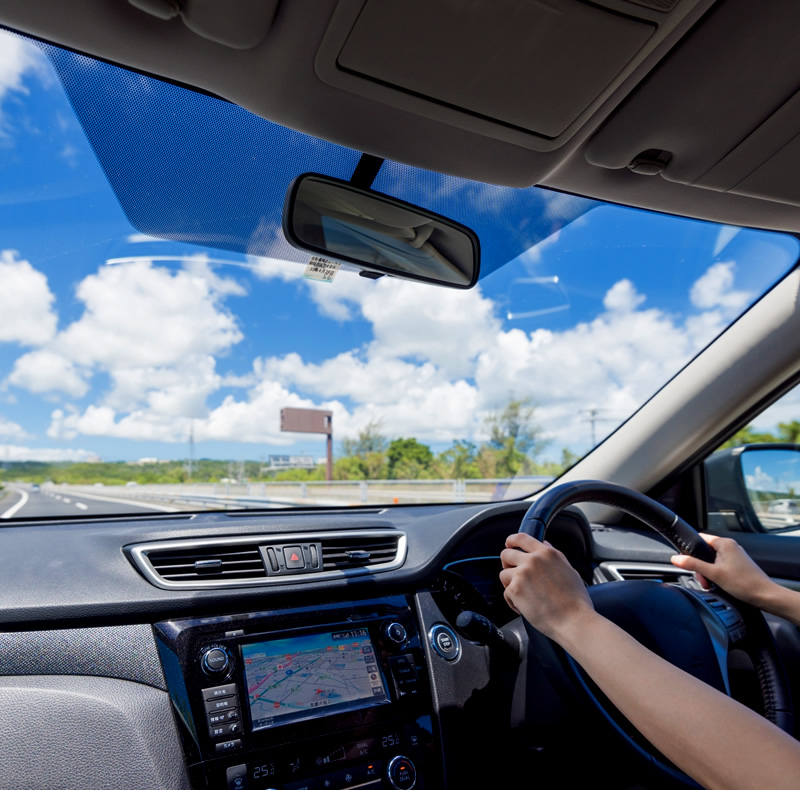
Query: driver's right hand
{"points": [[543, 587], [733, 570]]}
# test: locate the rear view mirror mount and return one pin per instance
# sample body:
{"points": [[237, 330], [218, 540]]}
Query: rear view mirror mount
{"points": [[378, 233]]}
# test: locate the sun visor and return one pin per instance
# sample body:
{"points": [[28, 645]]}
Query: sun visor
{"points": [[745, 99], [529, 73]]}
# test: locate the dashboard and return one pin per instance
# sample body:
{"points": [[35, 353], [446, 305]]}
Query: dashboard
{"points": [[137, 648]]}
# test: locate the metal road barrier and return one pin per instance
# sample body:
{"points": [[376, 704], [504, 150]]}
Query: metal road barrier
{"points": [[320, 493]]}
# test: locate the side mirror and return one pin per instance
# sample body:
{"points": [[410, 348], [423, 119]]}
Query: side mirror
{"points": [[378, 233], [755, 488]]}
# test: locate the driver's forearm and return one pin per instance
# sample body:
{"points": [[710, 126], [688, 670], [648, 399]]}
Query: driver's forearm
{"points": [[782, 602], [716, 740]]}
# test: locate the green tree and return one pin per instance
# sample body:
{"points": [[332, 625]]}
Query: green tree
{"points": [[460, 461], [408, 459], [349, 467], [370, 439], [748, 435], [789, 431], [515, 435]]}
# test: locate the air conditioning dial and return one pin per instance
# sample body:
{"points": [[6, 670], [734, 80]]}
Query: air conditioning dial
{"points": [[401, 773]]}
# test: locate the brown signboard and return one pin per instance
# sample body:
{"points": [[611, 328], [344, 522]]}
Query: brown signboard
{"points": [[306, 421]]}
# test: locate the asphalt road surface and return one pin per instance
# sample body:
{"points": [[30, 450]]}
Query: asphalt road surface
{"points": [[23, 501]]}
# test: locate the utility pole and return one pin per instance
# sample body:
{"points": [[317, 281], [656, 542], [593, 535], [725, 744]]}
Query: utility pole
{"points": [[190, 464], [593, 417]]}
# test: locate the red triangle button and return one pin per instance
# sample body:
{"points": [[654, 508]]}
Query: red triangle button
{"points": [[294, 557]]}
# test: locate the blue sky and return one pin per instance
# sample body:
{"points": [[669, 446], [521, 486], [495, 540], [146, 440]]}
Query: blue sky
{"points": [[599, 306]]}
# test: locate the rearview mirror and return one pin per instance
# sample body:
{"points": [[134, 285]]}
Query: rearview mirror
{"points": [[378, 233]]}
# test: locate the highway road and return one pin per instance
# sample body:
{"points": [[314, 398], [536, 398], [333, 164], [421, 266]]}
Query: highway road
{"points": [[24, 501]]}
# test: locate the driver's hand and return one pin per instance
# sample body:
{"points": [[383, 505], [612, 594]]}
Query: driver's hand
{"points": [[732, 570], [542, 586]]}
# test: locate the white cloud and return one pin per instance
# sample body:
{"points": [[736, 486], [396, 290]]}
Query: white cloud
{"points": [[47, 371], [622, 297], [141, 238], [155, 332], [26, 314], [17, 59], [140, 315], [715, 289], [13, 452], [436, 391], [11, 430]]}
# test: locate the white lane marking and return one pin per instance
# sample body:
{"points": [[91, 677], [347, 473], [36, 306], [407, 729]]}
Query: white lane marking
{"points": [[67, 501], [137, 503], [81, 506], [18, 506]]}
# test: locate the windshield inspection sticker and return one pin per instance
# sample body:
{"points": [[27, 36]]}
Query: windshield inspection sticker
{"points": [[321, 269]]}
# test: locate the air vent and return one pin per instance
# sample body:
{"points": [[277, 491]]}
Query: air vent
{"points": [[635, 571], [209, 562], [343, 553], [203, 563]]}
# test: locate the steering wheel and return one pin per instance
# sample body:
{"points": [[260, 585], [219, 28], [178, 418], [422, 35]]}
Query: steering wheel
{"points": [[692, 629]]}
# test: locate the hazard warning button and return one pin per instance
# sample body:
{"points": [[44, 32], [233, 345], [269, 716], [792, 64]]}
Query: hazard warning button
{"points": [[293, 557]]}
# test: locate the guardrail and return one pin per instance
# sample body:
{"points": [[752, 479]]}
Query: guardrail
{"points": [[321, 493]]}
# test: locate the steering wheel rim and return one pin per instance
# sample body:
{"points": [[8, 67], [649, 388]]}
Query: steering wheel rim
{"points": [[761, 648]]}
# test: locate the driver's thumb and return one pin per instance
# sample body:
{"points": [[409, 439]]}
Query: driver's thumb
{"points": [[689, 563]]}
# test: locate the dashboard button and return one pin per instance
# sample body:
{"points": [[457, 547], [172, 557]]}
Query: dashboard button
{"points": [[236, 777], [228, 690], [217, 705], [223, 716], [293, 557], [444, 641], [228, 746], [224, 730]]}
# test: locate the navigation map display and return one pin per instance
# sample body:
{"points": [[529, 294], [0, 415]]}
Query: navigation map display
{"points": [[311, 675]]}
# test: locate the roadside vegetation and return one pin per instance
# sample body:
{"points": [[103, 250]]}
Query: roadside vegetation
{"points": [[514, 447]]}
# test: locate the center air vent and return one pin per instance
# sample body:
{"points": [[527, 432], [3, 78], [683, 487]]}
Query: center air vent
{"points": [[340, 553], [238, 561], [208, 562]]}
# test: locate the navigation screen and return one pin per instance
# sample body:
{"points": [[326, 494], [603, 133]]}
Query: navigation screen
{"points": [[314, 675]]}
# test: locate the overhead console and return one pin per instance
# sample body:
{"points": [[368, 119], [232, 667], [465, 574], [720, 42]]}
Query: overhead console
{"points": [[731, 122]]}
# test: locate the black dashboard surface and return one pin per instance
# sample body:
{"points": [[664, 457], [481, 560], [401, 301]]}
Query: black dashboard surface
{"points": [[76, 572]]}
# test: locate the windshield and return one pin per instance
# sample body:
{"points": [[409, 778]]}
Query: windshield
{"points": [[161, 348]]}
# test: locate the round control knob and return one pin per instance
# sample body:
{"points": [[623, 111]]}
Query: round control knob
{"points": [[216, 661], [401, 773], [395, 632]]}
